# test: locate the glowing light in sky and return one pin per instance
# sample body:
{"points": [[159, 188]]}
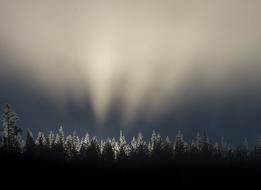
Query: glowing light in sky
{"points": [[138, 54]]}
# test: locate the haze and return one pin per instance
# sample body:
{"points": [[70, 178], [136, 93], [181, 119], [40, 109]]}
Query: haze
{"points": [[140, 56]]}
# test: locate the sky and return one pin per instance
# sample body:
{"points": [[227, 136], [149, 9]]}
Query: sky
{"points": [[104, 66]]}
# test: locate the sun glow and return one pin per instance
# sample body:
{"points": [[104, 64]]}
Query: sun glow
{"points": [[139, 56]]}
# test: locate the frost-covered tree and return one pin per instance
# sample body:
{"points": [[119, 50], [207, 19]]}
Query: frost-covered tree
{"points": [[242, 152], [167, 149], [29, 144], [50, 140], [123, 148], [156, 146], [59, 144], [198, 142], [41, 148], [68, 146], [90, 150], [216, 152], [139, 148], [156, 142], [193, 148], [206, 148], [108, 153], [60, 139], [230, 152], [71, 145], [76, 142], [85, 143], [12, 140], [223, 148], [179, 145], [40, 140]]}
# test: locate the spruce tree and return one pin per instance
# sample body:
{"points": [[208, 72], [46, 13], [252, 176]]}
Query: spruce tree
{"points": [[108, 154], [179, 146], [59, 144], [12, 143], [156, 146], [29, 144], [123, 149], [139, 149], [90, 150], [41, 147]]}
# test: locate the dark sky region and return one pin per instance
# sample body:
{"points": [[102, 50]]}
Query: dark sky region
{"points": [[105, 66]]}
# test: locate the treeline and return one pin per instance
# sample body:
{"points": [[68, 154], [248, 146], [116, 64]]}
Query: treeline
{"points": [[88, 149]]}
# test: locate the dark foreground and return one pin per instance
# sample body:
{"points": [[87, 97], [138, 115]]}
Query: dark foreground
{"points": [[136, 175]]}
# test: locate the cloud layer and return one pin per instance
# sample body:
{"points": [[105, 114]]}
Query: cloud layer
{"points": [[142, 56]]}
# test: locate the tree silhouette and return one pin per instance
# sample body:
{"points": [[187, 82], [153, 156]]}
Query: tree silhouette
{"points": [[30, 146], [179, 146], [107, 152], [59, 143], [88, 150], [41, 146], [123, 149], [139, 150], [12, 142]]}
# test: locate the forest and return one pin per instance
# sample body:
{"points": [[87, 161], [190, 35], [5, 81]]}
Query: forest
{"points": [[57, 153]]}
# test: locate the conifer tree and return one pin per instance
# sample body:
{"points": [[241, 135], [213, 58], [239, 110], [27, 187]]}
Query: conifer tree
{"points": [[108, 153], [72, 144], [205, 147], [179, 146], [41, 148], [139, 149], [85, 143], [156, 146], [242, 151], [12, 143], [123, 149], [50, 140], [59, 144], [167, 150], [90, 150], [30, 146], [68, 146]]}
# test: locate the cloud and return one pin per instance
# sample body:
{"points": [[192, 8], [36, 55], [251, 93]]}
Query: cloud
{"points": [[143, 56]]}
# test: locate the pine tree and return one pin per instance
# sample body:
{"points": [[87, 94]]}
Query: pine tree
{"points": [[198, 142], [76, 142], [139, 149], [123, 149], [30, 146], [167, 150], [108, 153], [85, 143], [90, 150], [179, 146], [12, 142], [75, 145], [156, 146], [41, 148], [72, 144], [50, 140], [217, 155], [205, 147], [60, 139], [59, 144], [68, 146], [223, 148], [243, 151]]}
